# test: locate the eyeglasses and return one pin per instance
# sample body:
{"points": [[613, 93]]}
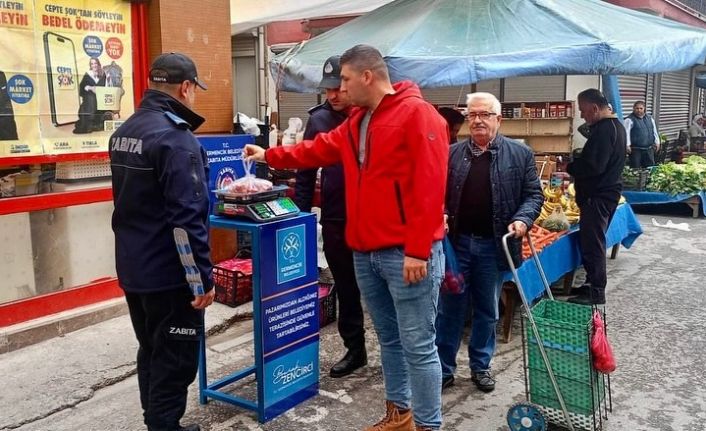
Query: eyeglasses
{"points": [[484, 116]]}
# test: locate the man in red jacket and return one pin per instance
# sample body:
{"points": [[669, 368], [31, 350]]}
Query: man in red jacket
{"points": [[394, 149]]}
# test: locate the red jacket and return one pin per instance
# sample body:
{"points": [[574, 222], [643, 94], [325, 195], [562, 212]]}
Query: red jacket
{"points": [[396, 198]]}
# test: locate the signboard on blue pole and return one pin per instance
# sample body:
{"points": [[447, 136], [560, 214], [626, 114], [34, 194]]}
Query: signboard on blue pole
{"points": [[289, 313]]}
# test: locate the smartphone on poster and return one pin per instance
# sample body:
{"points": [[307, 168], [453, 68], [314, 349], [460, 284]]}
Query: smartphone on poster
{"points": [[62, 78]]}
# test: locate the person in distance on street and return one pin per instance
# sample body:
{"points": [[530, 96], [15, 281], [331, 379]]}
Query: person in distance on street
{"points": [[455, 121], [597, 173]]}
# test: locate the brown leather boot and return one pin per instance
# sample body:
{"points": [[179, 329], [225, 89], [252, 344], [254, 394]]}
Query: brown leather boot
{"points": [[395, 419]]}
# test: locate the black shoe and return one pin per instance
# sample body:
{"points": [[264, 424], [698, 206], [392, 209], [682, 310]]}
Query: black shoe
{"points": [[353, 360], [446, 382], [584, 289], [596, 297], [483, 380], [191, 427]]}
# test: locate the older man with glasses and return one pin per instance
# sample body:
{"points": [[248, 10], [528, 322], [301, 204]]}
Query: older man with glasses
{"points": [[492, 189]]}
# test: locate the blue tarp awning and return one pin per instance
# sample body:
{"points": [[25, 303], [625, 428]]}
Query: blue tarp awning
{"points": [[439, 43]]}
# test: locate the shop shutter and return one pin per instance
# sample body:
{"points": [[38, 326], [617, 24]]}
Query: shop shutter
{"points": [[535, 88], [650, 95], [493, 87], [295, 105], [700, 107], [632, 89], [456, 96], [243, 45], [447, 96], [245, 75], [674, 102]]}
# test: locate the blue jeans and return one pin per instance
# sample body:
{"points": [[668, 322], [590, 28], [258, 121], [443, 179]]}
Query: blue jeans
{"points": [[478, 260], [403, 316]]}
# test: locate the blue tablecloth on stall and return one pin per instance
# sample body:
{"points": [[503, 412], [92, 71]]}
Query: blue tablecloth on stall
{"points": [[563, 255], [651, 198]]}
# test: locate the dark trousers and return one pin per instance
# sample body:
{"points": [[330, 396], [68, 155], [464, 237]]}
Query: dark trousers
{"points": [[596, 215], [340, 260], [641, 157], [167, 329]]}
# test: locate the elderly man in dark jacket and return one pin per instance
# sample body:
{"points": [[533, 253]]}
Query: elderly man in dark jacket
{"points": [[492, 189]]}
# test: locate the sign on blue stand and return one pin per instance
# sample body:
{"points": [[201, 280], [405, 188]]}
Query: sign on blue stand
{"points": [[291, 256], [225, 159], [289, 313]]}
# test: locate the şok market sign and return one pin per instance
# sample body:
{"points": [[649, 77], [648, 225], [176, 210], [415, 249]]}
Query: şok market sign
{"points": [[65, 75]]}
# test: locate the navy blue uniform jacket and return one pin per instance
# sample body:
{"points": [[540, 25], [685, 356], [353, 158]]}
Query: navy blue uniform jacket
{"points": [[323, 119], [160, 175]]}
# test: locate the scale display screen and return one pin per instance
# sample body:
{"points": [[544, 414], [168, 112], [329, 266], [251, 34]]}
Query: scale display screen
{"points": [[260, 211]]}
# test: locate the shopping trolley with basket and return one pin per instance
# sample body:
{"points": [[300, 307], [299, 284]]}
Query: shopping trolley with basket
{"points": [[561, 385]]}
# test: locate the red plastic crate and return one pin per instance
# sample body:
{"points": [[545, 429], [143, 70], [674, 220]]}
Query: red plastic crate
{"points": [[233, 281], [327, 304]]}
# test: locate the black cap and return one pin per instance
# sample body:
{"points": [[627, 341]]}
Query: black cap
{"points": [[174, 68], [332, 73]]}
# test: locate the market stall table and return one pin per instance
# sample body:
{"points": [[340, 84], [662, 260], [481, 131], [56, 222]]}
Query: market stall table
{"points": [[563, 256], [659, 198]]}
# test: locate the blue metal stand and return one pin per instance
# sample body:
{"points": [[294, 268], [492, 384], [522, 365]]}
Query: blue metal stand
{"points": [[284, 276]]}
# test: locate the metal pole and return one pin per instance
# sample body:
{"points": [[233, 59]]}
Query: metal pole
{"points": [[611, 90]]}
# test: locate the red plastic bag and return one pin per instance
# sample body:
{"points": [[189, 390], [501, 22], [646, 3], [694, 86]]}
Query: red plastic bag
{"points": [[453, 282], [603, 359]]}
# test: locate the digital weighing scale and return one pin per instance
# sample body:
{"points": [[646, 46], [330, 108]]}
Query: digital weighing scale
{"points": [[260, 207]]}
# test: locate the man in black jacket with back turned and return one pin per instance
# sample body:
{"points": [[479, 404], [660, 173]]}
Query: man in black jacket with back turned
{"points": [[597, 173], [160, 177], [323, 118]]}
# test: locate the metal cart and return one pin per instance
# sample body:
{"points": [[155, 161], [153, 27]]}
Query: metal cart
{"points": [[561, 385]]}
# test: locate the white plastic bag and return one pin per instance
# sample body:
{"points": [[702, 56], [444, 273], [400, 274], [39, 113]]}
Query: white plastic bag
{"points": [[557, 221], [292, 133], [249, 125], [248, 184], [671, 225], [273, 136]]}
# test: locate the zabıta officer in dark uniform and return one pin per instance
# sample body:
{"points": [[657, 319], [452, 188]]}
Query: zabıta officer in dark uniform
{"points": [[161, 236], [323, 118]]}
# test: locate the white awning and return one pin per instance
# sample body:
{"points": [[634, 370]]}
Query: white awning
{"points": [[248, 14]]}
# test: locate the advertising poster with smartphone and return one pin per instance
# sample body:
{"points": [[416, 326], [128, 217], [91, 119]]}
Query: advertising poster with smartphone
{"points": [[65, 75]]}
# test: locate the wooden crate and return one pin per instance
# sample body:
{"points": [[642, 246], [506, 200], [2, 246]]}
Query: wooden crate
{"points": [[546, 166]]}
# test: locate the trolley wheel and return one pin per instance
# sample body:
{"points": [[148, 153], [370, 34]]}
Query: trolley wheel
{"points": [[526, 416]]}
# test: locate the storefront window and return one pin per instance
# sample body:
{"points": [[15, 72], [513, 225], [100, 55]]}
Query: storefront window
{"points": [[65, 85]]}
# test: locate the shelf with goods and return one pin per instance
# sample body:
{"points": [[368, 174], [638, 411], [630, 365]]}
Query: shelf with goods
{"points": [[52, 158], [58, 223], [547, 127], [44, 196]]}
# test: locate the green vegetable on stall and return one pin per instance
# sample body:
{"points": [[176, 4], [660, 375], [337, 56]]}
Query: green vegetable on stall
{"points": [[686, 178]]}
